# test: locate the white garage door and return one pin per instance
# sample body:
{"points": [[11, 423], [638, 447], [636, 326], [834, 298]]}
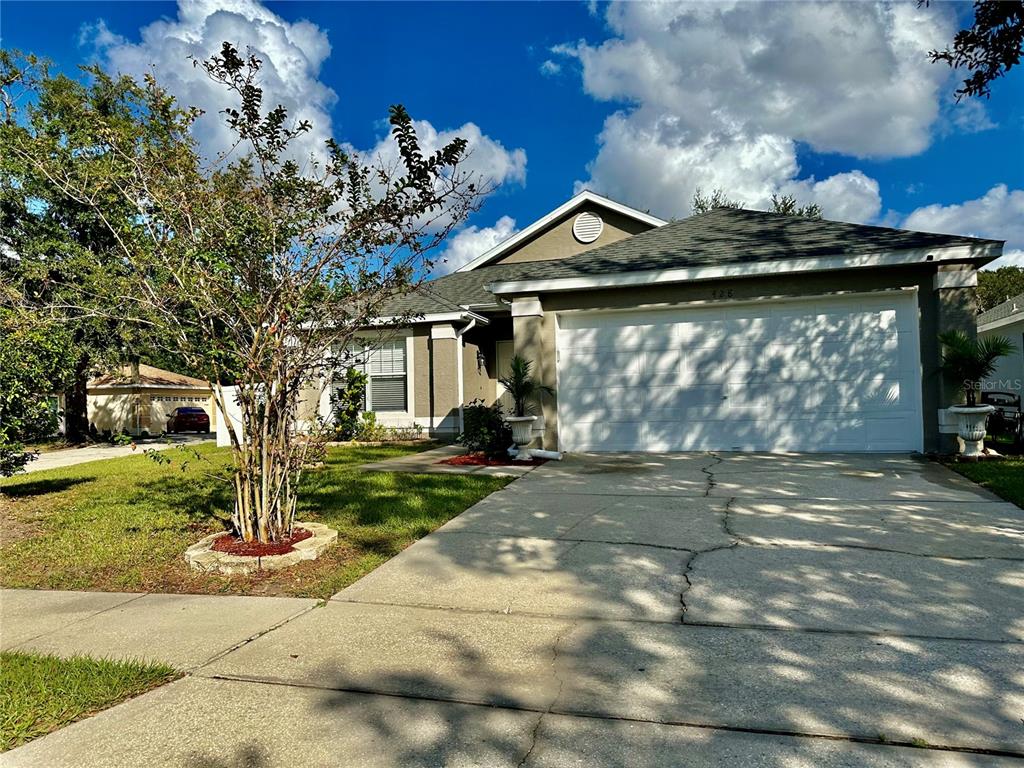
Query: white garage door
{"points": [[837, 374]]}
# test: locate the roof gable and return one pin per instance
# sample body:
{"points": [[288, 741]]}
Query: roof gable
{"points": [[585, 200], [149, 376], [736, 236]]}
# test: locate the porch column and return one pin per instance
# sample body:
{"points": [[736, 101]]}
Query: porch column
{"points": [[956, 309], [533, 335], [444, 378]]}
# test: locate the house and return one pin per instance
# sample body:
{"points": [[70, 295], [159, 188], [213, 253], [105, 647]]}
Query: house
{"points": [[729, 330], [141, 401], [1006, 319]]}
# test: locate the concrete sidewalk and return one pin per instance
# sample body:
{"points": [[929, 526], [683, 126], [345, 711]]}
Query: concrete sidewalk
{"points": [[682, 609], [184, 631], [69, 457]]}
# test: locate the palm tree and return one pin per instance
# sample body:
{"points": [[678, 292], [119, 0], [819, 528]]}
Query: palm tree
{"points": [[968, 360], [521, 386]]}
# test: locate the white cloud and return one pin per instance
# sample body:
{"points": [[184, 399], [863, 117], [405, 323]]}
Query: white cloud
{"points": [[549, 67], [487, 159], [720, 94], [969, 116], [998, 214], [292, 54], [470, 242]]}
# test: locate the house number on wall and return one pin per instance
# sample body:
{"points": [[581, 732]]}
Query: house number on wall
{"points": [[721, 293]]}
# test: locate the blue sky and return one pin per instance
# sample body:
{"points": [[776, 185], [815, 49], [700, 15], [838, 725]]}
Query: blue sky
{"points": [[833, 103]]}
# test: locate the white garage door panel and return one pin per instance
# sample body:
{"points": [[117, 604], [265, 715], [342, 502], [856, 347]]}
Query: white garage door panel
{"points": [[827, 375]]}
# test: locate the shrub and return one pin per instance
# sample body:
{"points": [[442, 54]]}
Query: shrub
{"points": [[369, 431], [121, 439], [484, 429], [348, 403]]}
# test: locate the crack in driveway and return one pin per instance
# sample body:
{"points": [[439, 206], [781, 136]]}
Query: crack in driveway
{"points": [[555, 650]]}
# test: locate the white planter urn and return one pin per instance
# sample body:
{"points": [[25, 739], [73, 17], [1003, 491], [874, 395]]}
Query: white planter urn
{"points": [[970, 427], [522, 434]]}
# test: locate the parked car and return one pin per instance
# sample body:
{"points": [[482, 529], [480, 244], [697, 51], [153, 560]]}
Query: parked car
{"points": [[188, 419]]}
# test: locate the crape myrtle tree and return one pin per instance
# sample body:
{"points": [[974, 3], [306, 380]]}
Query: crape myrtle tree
{"points": [[254, 265]]}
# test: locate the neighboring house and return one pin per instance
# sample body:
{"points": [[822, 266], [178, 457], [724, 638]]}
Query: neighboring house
{"points": [[142, 401], [729, 330], [1006, 319]]}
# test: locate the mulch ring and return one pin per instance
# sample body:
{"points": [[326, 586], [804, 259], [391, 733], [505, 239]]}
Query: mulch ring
{"points": [[479, 460], [233, 545]]}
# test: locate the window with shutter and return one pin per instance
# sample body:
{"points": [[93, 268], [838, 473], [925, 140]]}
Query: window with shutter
{"points": [[385, 367]]}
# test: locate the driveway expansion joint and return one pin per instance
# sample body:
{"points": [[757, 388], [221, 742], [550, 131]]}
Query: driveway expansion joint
{"points": [[221, 654]]}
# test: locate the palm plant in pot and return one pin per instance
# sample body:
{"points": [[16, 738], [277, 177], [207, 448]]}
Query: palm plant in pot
{"points": [[968, 361], [523, 389]]}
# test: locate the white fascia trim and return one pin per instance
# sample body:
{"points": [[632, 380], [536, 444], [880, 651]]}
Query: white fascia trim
{"points": [[1017, 317], [438, 317], [527, 306], [442, 331], [773, 267], [586, 196]]}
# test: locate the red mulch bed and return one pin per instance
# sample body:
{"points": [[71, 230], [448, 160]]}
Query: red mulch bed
{"points": [[235, 546], [479, 460]]}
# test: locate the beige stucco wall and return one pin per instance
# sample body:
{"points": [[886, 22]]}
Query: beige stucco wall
{"points": [[939, 310], [479, 380], [143, 409], [557, 241], [444, 384], [423, 398]]}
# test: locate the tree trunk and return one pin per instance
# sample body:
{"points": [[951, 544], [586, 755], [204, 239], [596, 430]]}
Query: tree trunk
{"points": [[76, 404]]}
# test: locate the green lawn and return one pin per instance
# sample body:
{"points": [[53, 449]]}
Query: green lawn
{"points": [[39, 694], [123, 524], [1004, 478]]}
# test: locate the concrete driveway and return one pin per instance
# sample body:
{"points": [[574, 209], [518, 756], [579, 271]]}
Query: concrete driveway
{"points": [[68, 457], [685, 609]]}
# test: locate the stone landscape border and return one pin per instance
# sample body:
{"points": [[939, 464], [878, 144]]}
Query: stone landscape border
{"points": [[202, 557]]}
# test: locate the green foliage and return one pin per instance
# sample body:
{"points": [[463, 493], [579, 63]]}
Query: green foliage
{"points": [[998, 285], [968, 361], [40, 693], [248, 267], [34, 365], [121, 525], [702, 203], [788, 206], [368, 430], [484, 429], [521, 386], [989, 48], [784, 204], [348, 404]]}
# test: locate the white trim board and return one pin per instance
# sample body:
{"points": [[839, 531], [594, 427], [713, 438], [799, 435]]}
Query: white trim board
{"points": [[437, 317], [586, 196], [769, 267], [1002, 322]]}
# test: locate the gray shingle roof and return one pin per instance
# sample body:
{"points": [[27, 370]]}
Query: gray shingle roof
{"points": [[721, 236], [1014, 306]]}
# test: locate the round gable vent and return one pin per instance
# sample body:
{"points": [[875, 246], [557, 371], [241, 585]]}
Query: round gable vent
{"points": [[587, 227]]}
